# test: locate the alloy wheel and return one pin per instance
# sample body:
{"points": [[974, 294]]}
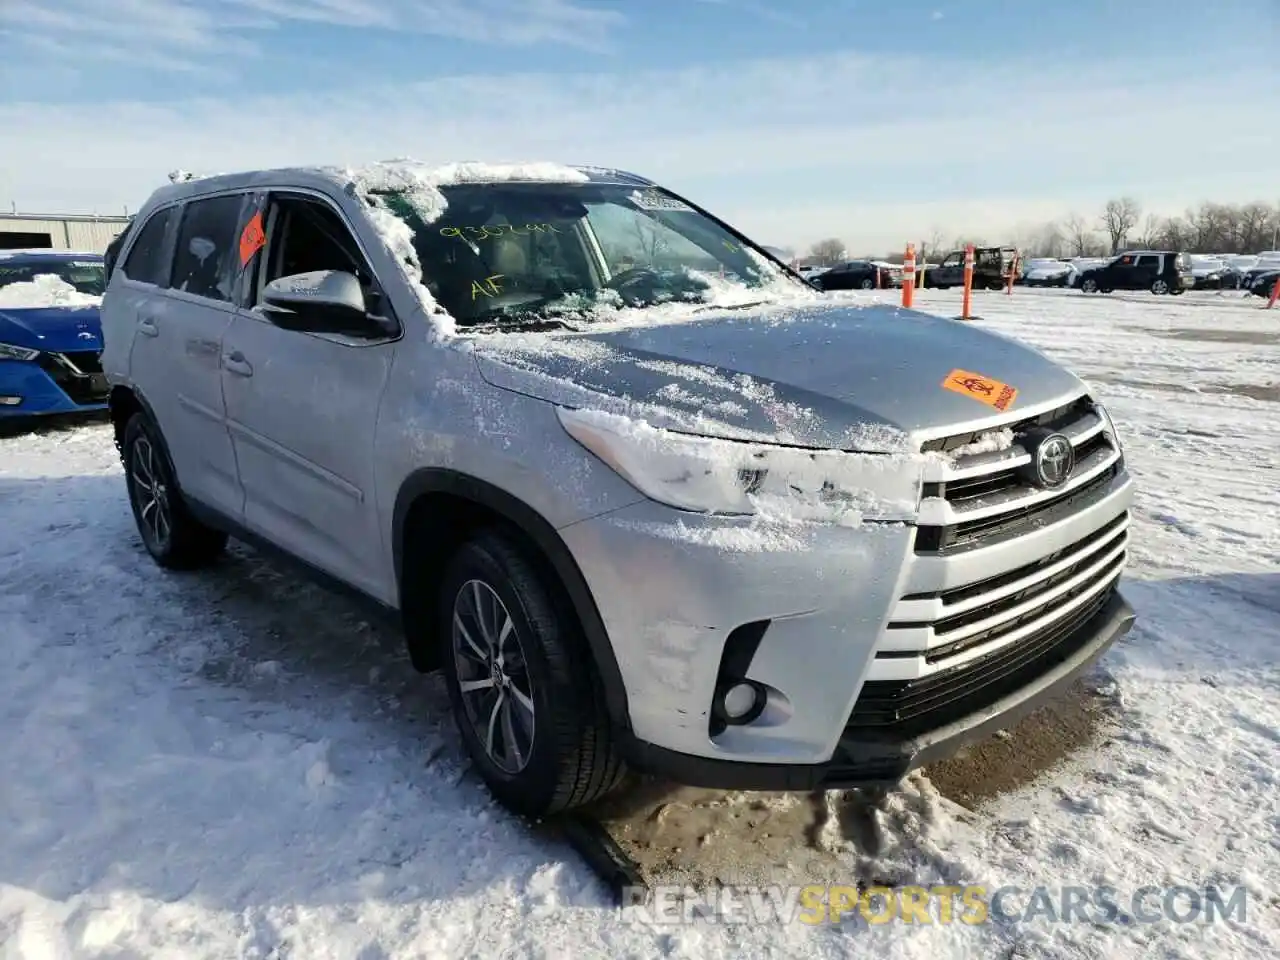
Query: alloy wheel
{"points": [[493, 676], [150, 494]]}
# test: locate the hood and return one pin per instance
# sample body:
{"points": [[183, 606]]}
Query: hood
{"points": [[833, 377], [55, 329]]}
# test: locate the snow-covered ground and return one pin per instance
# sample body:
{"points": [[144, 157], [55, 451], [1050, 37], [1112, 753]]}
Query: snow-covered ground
{"points": [[233, 764]]}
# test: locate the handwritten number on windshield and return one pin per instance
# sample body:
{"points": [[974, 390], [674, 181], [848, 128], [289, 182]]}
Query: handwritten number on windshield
{"points": [[467, 234]]}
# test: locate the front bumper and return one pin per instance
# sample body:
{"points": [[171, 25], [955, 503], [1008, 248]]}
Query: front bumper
{"points": [[47, 386], [862, 760], [852, 627]]}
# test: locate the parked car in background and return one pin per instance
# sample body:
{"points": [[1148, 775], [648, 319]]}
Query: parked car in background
{"points": [[1160, 271], [809, 271], [50, 335], [1265, 265], [1264, 282], [1207, 271], [851, 275], [1079, 265], [991, 267], [890, 273], [1235, 269], [1045, 272]]}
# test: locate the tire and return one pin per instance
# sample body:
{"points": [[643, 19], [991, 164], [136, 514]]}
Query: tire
{"points": [[571, 757], [175, 539], [868, 284], [1159, 287], [1089, 285]]}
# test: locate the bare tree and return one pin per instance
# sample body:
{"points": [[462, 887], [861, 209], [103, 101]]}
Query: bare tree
{"points": [[827, 252], [1080, 239], [1118, 218]]}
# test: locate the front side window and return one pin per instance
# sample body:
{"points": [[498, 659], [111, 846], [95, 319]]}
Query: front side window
{"points": [[87, 276], [306, 235], [206, 250], [520, 253]]}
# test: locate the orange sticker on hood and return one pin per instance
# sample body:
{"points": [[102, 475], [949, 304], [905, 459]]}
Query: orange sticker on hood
{"points": [[252, 239], [983, 389]]}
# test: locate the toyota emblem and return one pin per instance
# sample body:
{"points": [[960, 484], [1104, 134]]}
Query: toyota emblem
{"points": [[1054, 458]]}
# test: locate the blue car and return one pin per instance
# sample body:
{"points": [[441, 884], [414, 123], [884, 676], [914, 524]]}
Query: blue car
{"points": [[50, 335]]}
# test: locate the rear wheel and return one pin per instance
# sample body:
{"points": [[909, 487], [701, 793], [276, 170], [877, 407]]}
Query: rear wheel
{"points": [[868, 284], [1159, 287], [174, 538], [527, 703]]}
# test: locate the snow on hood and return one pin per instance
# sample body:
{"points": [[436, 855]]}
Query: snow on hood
{"points": [[419, 183], [46, 290]]}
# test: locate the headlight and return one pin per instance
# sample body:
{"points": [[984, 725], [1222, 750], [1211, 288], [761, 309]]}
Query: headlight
{"points": [[1109, 427], [10, 352], [735, 478]]}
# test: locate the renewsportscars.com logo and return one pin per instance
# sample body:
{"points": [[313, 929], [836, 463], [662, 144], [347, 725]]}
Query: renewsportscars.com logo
{"points": [[971, 905]]}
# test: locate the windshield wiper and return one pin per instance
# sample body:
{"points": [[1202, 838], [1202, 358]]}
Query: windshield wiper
{"points": [[732, 306], [532, 324]]}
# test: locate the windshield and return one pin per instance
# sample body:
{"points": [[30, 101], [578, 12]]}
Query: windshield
{"points": [[520, 253], [87, 276]]}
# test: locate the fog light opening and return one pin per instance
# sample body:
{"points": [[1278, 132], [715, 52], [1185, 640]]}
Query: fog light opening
{"points": [[739, 703], [6, 401]]}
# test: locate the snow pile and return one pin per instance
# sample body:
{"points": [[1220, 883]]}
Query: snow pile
{"points": [[779, 485], [46, 290], [993, 441]]}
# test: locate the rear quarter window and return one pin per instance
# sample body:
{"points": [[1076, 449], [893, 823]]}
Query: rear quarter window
{"points": [[146, 262]]}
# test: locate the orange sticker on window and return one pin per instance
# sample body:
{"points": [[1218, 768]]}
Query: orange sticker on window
{"points": [[983, 389], [251, 239]]}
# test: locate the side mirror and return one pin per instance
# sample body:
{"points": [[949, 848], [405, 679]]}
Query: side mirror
{"points": [[322, 301]]}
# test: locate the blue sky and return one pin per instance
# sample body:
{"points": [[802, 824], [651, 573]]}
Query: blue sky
{"points": [[875, 122]]}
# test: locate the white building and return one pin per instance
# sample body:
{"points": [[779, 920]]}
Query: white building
{"points": [[90, 234]]}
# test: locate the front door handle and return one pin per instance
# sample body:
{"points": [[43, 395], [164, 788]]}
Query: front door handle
{"points": [[148, 328], [237, 364]]}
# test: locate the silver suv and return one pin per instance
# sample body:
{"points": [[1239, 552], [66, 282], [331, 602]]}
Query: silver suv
{"points": [[649, 500]]}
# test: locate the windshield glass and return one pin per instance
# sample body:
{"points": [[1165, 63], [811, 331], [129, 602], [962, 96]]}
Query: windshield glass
{"points": [[87, 276], [521, 253]]}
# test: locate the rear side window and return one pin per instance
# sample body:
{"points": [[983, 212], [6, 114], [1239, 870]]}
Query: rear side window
{"points": [[146, 258], [205, 251]]}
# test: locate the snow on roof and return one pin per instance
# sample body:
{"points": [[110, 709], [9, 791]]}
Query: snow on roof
{"points": [[46, 290], [46, 252]]}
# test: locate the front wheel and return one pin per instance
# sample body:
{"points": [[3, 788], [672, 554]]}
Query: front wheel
{"points": [[174, 538], [1089, 285], [526, 701], [868, 284]]}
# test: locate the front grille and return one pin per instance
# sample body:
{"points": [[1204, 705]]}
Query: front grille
{"points": [[986, 497], [1054, 419], [908, 708], [86, 361], [78, 374]]}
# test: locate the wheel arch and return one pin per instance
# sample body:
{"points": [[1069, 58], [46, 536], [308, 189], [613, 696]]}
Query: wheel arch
{"points": [[435, 510], [122, 403]]}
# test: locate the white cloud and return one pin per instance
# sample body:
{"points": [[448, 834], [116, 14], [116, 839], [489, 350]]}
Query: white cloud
{"points": [[754, 140], [169, 34]]}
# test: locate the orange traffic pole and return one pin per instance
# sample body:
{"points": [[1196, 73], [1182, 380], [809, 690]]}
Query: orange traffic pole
{"points": [[1275, 294], [966, 312], [909, 276], [1013, 273]]}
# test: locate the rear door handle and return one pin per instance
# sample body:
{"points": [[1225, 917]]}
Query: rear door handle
{"points": [[148, 328], [237, 364]]}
